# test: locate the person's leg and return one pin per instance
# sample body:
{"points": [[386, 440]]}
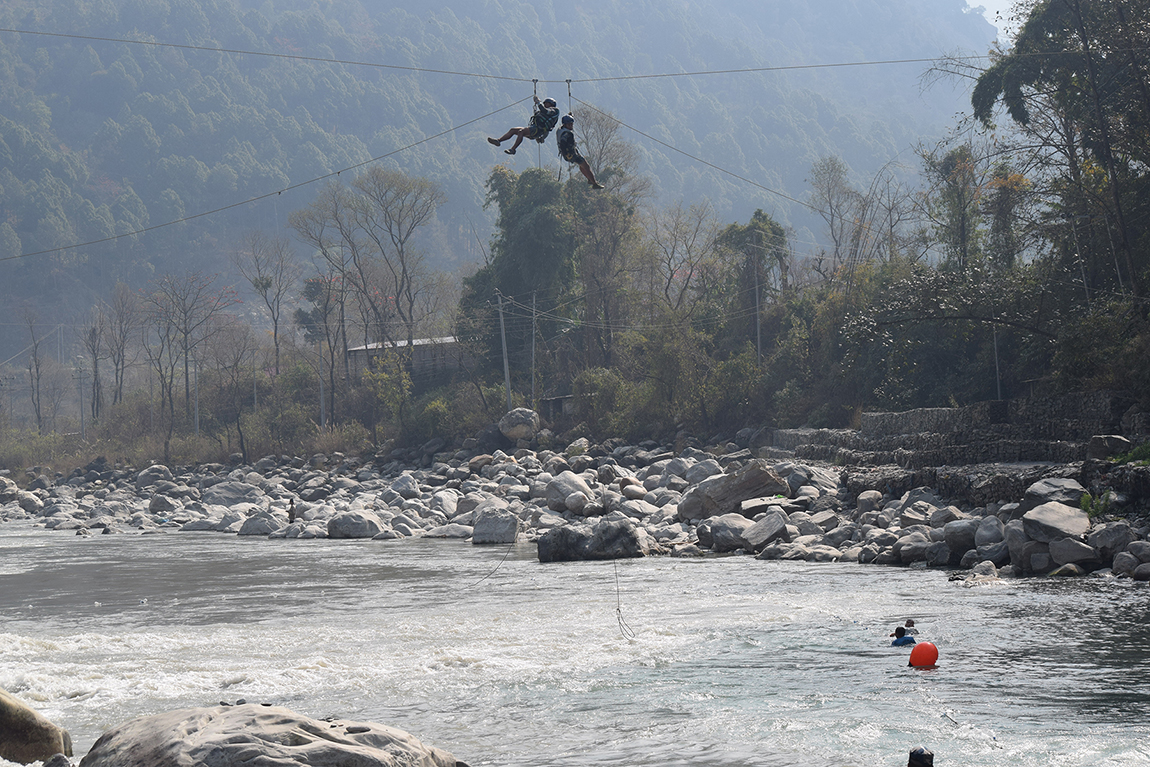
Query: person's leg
{"points": [[504, 137], [586, 170], [520, 134]]}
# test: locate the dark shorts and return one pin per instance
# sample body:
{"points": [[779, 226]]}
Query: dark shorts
{"points": [[570, 155], [533, 131]]}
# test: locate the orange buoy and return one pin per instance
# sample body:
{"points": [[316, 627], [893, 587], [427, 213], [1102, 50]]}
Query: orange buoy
{"points": [[924, 655]]}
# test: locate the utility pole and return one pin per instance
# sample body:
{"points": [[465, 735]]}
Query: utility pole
{"points": [[506, 367]]}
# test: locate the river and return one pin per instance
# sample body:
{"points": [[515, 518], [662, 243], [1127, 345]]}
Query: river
{"points": [[501, 660]]}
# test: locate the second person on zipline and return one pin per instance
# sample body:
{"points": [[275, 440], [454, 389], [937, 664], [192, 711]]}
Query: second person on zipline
{"points": [[542, 123], [565, 138]]}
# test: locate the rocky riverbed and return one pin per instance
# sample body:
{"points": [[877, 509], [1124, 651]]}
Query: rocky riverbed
{"points": [[610, 500]]}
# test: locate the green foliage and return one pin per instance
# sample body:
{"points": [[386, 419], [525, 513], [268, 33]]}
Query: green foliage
{"points": [[1139, 455], [1095, 507]]}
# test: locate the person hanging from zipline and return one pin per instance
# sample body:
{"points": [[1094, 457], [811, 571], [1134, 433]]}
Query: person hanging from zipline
{"points": [[565, 138], [539, 128]]}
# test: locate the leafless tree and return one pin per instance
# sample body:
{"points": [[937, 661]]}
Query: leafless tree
{"points": [[95, 333], [273, 271], [188, 304], [123, 316]]}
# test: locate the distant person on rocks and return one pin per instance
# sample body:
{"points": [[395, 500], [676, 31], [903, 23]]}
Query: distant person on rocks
{"points": [[565, 138], [921, 757], [291, 510], [901, 638], [539, 128]]}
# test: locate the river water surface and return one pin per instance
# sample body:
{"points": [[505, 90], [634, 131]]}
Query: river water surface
{"points": [[501, 660]]}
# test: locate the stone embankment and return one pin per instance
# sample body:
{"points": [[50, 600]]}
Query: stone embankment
{"points": [[611, 500]]}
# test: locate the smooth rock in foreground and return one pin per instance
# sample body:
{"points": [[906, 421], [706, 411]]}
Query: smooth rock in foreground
{"points": [[26, 736], [242, 736]]}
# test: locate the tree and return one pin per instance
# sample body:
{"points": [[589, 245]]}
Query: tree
{"points": [[187, 305], [272, 270], [366, 232], [94, 340], [35, 369], [231, 351], [1082, 62], [123, 315]]}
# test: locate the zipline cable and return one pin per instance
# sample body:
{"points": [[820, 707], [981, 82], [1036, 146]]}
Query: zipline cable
{"points": [[700, 160], [257, 198], [297, 57]]}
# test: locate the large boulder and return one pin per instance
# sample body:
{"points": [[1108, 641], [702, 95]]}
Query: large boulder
{"points": [[494, 525], [152, 475], [26, 736], [961, 535], [1111, 538], [727, 532], [240, 736], [1065, 551], [722, 493], [560, 488], [354, 524], [263, 523], [1051, 521], [231, 493], [617, 539], [772, 527], [1053, 490], [520, 423]]}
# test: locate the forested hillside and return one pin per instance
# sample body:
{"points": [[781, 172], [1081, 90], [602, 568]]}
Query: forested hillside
{"points": [[100, 138]]}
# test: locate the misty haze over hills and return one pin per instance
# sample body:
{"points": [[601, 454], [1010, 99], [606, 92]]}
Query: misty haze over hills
{"points": [[99, 138]]}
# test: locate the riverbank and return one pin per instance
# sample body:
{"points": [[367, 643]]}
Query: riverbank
{"points": [[611, 500]]}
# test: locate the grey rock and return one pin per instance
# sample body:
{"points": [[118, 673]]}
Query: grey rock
{"points": [[727, 532], [152, 475], [562, 486], [912, 548], [26, 736], [450, 530], [990, 530], [406, 486], [493, 525], [1053, 490], [722, 493], [772, 527], [354, 524], [619, 539], [1103, 446], [162, 504], [243, 735], [960, 535], [1111, 538], [263, 523], [1140, 549], [1071, 551], [998, 553], [1141, 573], [938, 555], [701, 471], [867, 501], [229, 493], [1125, 563], [520, 423], [1053, 520]]}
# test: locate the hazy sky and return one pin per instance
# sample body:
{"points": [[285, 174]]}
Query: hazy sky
{"points": [[992, 7]]}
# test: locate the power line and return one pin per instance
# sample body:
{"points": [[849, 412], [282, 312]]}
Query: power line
{"points": [[699, 159], [298, 57], [257, 198]]}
